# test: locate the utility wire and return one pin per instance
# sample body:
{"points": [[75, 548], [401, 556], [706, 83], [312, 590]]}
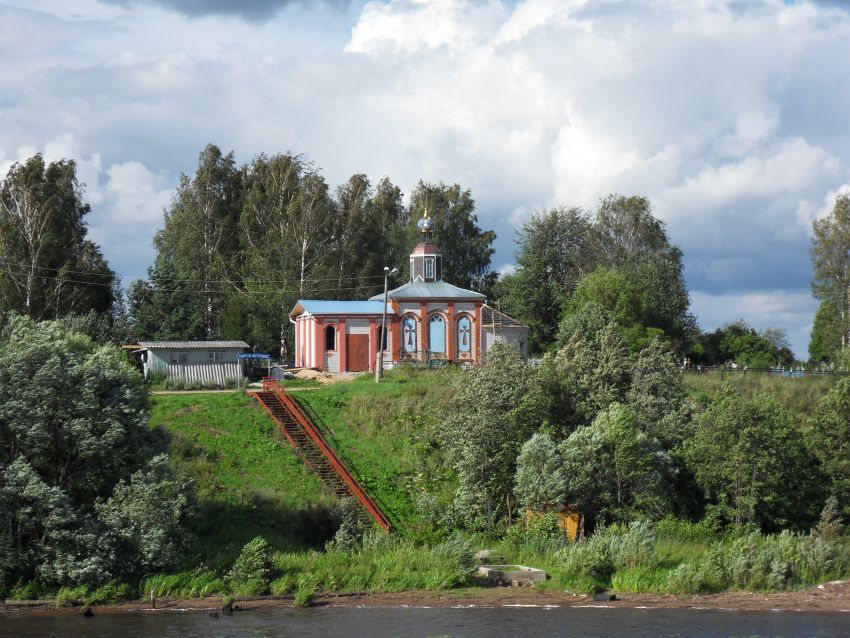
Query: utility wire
{"points": [[207, 291], [111, 275]]}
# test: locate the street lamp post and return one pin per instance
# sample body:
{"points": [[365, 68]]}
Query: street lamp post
{"points": [[379, 369]]}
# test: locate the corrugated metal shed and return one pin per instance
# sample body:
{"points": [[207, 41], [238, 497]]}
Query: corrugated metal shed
{"points": [[430, 290], [324, 307], [217, 373], [186, 345]]}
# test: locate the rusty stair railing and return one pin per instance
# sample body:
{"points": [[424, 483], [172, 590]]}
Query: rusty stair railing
{"points": [[314, 450]]}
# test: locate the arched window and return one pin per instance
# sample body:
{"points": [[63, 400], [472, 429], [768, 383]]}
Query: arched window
{"points": [[330, 338], [382, 337], [464, 335], [437, 334], [409, 330]]}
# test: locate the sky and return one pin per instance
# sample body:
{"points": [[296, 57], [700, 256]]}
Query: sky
{"points": [[731, 116]]}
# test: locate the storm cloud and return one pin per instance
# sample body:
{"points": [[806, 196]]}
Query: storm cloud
{"points": [[251, 10]]}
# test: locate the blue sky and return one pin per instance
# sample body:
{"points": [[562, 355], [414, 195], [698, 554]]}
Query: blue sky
{"points": [[730, 115]]}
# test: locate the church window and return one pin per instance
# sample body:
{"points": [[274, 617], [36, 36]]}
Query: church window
{"points": [[429, 268], [409, 334], [330, 338], [437, 334], [382, 337], [464, 335]]}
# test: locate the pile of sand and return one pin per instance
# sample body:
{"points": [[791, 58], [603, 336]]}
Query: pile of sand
{"points": [[324, 377]]}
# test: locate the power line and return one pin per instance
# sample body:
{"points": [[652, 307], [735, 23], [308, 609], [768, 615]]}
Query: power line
{"points": [[172, 279], [208, 291]]}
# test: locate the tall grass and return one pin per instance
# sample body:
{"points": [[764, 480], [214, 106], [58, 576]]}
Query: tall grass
{"points": [[381, 565], [678, 557], [800, 395], [194, 584]]}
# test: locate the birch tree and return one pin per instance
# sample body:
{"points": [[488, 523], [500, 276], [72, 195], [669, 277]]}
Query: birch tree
{"points": [[200, 234], [273, 185], [830, 255], [48, 267]]}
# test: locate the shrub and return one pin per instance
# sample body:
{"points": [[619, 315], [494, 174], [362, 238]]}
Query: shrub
{"points": [[354, 524], [675, 529], [456, 555], [195, 584], [762, 563], [251, 573], [306, 591], [68, 596], [688, 578], [110, 593], [610, 549], [635, 547], [591, 559], [30, 591], [537, 532], [640, 580]]}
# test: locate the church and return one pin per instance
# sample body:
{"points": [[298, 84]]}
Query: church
{"points": [[429, 321]]}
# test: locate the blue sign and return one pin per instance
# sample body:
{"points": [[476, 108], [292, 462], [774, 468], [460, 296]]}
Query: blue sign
{"points": [[255, 355]]}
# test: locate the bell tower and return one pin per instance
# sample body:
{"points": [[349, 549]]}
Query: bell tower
{"points": [[426, 262]]}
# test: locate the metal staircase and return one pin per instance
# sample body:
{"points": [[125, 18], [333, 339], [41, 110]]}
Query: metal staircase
{"points": [[314, 450]]}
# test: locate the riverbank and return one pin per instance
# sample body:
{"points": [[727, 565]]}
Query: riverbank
{"points": [[828, 597]]}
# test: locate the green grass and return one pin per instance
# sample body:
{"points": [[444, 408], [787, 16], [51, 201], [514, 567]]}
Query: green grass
{"points": [[390, 565], [799, 395], [195, 584], [382, 429], [300, 383], [249, 481]]}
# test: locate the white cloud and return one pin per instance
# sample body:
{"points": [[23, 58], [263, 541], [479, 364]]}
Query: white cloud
{"points": [[731, 118]]}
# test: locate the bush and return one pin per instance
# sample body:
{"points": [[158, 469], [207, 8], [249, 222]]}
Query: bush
{"points": [[30, 591], [306, 592], [354, 524], [68, 596], [610, 549], [110, 593], [197, 584], [676, 529], [456, 556], [762, 563], [251, 573], [640, 580], [635, 547], [537, 533]]}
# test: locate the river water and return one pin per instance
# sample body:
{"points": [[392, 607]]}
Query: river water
{"points": [[418, 622]]}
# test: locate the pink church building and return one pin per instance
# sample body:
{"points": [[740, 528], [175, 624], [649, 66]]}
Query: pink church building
{"points": [[428, 320]]}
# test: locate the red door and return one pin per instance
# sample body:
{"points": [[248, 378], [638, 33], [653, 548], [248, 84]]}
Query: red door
{"points": [[358, 353]]}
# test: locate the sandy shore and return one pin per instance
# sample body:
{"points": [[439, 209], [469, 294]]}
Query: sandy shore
{"points": [[829, 597]]}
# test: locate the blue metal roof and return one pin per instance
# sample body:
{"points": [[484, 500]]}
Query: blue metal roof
{"points": [[321, 307]]}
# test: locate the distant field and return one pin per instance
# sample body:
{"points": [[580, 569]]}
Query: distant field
{"points": [[800, 395]]}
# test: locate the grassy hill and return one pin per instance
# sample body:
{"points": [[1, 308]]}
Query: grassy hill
{"points": [[249, 481], [384, 431], [800, 395]]}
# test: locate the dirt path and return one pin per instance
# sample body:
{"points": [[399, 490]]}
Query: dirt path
{"points": [[830, 597]]}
